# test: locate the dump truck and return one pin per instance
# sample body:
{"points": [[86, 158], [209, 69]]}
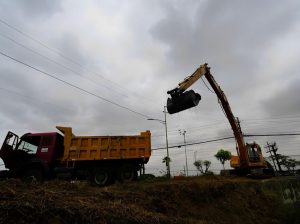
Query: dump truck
{"points": [[101, 159]]}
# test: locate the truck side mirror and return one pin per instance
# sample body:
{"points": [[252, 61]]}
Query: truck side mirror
{"points": [[183, 101]]}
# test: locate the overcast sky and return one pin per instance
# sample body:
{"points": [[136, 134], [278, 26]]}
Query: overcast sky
{"points": [[130, 53]]}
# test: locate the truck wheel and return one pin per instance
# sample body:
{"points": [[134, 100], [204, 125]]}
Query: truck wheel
{"points": [[32, 175], [101, 176], [127, 173]]}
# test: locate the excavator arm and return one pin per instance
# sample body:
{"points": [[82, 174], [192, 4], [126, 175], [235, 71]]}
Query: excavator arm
{"points": [[180, 98], [188, 81]]}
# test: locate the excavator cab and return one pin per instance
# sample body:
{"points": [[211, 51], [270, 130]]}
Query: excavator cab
{"points": [[253, 153], [254, 158], [182, 101]]}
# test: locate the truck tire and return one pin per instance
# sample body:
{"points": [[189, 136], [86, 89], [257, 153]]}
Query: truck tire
{"points": [[101, 176], [32, 175], [127, 173]]}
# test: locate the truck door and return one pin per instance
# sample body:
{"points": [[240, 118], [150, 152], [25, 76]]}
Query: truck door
{"points": [[8, 148], [45, 150]]}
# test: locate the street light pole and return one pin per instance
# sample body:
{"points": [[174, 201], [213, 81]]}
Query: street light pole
{"points": [[182, 132], [167, 143]]}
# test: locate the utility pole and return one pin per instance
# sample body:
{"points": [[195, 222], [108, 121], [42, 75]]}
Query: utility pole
{"points": [[240, 130], [167, 142], [167, 145], [182, 132], [272, 148], [195, 155]]}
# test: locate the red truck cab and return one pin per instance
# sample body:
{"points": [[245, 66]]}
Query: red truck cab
{"points": [[31, 152]]}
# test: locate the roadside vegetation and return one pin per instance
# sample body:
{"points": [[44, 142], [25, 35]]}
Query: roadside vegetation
{"points": [[204, 199]]}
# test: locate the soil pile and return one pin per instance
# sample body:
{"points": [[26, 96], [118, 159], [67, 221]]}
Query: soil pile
{"points": [[192, 200]]}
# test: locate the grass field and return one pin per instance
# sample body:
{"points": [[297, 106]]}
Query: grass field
{"points": [[212, 199]]}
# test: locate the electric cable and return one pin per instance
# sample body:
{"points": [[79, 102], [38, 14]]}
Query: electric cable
{"points": [[225, 138], [53, 50], [195, 143], [39, 42], [266, 135], [74, 86], [57, 63]]}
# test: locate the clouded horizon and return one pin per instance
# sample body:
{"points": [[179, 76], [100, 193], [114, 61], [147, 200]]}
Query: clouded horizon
{"points": [[132, 52]]}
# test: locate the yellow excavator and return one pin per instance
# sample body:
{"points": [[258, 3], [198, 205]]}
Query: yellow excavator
{"points": [[249, 159]]}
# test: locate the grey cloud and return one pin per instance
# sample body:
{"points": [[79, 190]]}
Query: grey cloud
{"points": [[226, 35], [225, 132], [70, 50], [26, 99], [22, 107], [15, 79], [36, 8], [285, 101], [108, 119], [232, 36]]}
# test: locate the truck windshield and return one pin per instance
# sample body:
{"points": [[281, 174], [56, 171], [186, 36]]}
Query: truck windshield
{"points": [[25, 146]]}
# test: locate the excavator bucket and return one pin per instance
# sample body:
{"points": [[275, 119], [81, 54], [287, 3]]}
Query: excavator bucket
{"points": [[183, 101]]}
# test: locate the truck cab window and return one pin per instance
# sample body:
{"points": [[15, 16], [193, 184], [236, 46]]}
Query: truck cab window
{"points": [[25, 146], [11, 139]]}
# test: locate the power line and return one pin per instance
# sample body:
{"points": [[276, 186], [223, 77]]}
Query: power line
{"points": [[74, 86], [39, 42], [272, 118], [212, 125], [192, 130], [221, 139], [266, 135], [196, 143], [57, 52], [57, 63], [221, 122]]}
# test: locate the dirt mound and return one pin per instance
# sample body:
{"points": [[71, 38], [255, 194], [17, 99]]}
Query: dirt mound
{"points": [[193, 200]]}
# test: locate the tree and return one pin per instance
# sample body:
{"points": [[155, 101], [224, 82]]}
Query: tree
{"points": [[286, 161], [166, 160], [202, 166], [223, 155]]}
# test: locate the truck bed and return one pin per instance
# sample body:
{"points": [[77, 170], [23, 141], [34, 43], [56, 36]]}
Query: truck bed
{"points": [[79, 148]]}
